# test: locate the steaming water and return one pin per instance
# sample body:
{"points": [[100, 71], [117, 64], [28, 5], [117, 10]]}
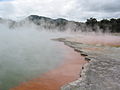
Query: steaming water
{"points": [[25, 54]]}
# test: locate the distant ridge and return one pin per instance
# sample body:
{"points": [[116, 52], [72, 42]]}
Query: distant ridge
{"points": [[60, 24]]}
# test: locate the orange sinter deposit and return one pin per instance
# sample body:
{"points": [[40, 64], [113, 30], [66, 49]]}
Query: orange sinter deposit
{"points": [[97, 39], [67, 72]]}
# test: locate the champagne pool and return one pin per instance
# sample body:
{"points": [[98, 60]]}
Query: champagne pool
{"points": [[26, 54]]}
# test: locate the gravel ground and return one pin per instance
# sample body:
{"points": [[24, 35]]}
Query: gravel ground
{"points": [[103, 70]]}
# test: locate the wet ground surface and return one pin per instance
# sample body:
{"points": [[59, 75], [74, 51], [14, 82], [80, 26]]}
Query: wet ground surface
{"points": [[103, 70]]}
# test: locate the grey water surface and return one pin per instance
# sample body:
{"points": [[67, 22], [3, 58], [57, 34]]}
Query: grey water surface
{"points": [[26, 54]]}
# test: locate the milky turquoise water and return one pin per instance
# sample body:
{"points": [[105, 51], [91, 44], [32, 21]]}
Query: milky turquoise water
{"points": [[26, 54]]}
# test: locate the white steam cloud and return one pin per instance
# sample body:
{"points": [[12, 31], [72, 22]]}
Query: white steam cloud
{"points": [[26, 51]]}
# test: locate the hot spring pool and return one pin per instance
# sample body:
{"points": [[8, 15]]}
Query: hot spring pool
{"points": [[26, 54]]}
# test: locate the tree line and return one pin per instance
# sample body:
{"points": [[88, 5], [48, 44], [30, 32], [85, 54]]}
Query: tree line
{"points": [[111, 25]]}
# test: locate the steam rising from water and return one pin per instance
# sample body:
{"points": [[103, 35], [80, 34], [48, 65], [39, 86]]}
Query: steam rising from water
{"points": [[26, 52]]}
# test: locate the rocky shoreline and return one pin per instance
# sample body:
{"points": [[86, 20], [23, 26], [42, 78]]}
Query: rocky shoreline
{"points": [[103, 70]]}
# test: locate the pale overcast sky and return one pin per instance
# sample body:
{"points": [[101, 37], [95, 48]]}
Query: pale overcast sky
{"points": [[78, 10]]}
